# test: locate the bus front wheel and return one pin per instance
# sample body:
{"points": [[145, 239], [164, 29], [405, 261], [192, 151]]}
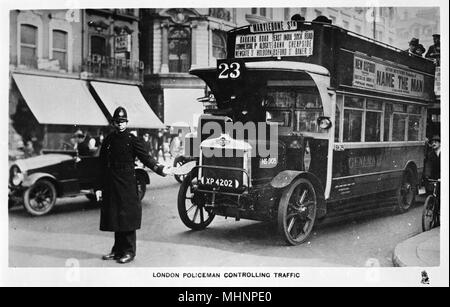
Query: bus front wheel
{"points": [[297, 211], [406, 192]]}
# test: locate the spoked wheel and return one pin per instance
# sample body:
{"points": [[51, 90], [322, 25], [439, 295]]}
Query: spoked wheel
{"points": [[406, 192], [430, 217], [297, 211], [191, 206], [179, 178], [40, 198]]}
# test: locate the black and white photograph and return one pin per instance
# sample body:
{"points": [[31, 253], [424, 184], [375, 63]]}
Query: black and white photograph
{"points": [[259, 143]]}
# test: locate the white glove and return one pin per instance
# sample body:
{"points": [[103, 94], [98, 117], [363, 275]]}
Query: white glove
{"points": [[98, 195], [168, 170]]}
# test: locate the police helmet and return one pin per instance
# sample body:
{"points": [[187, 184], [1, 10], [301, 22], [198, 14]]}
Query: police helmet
{"points": [[120, 115]]}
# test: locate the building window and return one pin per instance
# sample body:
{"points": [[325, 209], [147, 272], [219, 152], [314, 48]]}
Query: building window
{"points": [[179, 50], [399, 127], [379, 35], [346, 24], [28, 45], [98, 45], [263, 12], [287, 15], [219, 45], [59, 51], [333, 19]]}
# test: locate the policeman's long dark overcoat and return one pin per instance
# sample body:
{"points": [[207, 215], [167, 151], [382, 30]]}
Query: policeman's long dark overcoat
{"points": [[121, 209]]}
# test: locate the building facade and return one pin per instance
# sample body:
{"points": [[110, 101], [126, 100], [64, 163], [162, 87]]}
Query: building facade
{"points": [[60, 63], [175, 40], [420, 23]]}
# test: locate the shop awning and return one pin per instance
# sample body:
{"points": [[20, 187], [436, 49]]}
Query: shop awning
{"points": [[114, 95], [181, 106], [60, 101]]}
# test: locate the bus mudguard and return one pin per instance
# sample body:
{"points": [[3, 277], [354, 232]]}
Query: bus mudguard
{"points": [[285, 178]]}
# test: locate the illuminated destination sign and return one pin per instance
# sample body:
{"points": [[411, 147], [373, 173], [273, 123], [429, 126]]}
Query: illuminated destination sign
{"points": [[373, 75], [282, 44]]}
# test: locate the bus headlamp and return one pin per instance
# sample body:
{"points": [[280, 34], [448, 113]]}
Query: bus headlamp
{"points": [[324, 122]]}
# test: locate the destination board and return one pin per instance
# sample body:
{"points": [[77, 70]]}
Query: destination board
{"points": [[280, 44], [370, 74]]}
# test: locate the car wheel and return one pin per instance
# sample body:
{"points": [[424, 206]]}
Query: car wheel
{"points": [[191, 206], [406, 192], [297, 211], [40, 198]]}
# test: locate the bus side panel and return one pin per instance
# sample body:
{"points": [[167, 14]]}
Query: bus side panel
{"points": [[363, 171]]}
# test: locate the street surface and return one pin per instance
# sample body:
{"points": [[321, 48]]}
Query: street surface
{"points": [[71, 233]]}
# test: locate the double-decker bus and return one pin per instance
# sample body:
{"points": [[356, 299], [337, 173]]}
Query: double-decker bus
{"points": [[349, 114]]}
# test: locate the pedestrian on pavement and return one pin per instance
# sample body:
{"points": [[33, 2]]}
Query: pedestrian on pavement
{"points": [[121, 211], [432, 167], [147, 143], [85, 143], [176, 145], [160, 146], [434, 52]]}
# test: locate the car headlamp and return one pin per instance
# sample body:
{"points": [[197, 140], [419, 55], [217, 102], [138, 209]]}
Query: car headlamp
{"points": [[16, 176]]}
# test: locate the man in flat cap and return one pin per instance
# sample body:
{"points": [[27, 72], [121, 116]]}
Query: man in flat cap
{"points": [[434, 52], [121, 210]]}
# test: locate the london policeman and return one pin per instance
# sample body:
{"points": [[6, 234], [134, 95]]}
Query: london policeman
{"points": [[121, 210]]}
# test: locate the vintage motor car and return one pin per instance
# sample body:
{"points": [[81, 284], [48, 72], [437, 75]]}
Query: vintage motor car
{"points": [[38, 181]]}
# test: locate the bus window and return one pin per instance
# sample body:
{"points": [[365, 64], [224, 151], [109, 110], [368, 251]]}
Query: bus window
{"points": [[374, 105], [280, 117], [414, 110], [413, 127], [352, 125], [387, 121], [310, 106], [281, 98], [306, 120], [337, 120], [373, 120], [353, 102], [399, 127], [303, 102], [373, 126], [398, 107], [308, 101]]}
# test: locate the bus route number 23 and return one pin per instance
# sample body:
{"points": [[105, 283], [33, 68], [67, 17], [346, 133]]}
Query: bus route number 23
{"points": [[229, 71]]}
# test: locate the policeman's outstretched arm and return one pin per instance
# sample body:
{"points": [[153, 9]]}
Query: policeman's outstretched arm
{"points": [[145, 158]]}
